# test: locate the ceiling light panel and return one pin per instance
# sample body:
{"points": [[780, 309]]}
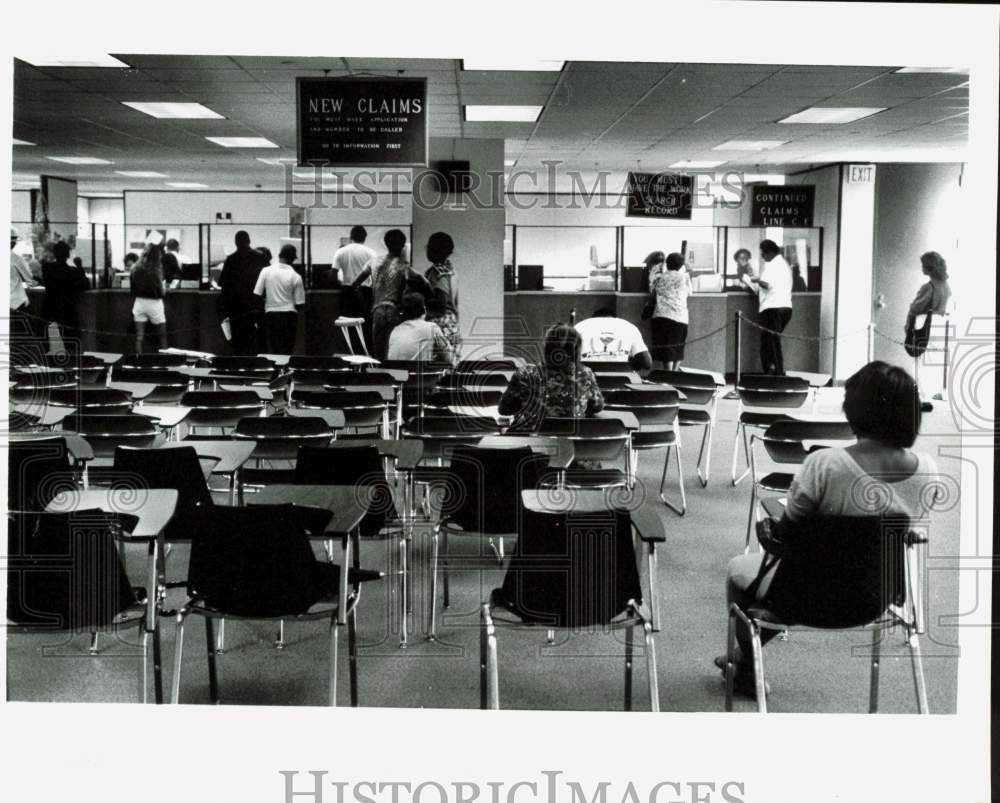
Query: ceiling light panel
{"points": [[832, 115], [502, 114], [750, 144], [141, 174], [242, 142], [80, 160], [174, 111], [94, 60], [520, 65]]}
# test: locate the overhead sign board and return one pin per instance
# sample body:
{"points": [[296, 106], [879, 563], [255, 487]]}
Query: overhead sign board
{"points": [[663, 195], [780, 206], [362, 122]]}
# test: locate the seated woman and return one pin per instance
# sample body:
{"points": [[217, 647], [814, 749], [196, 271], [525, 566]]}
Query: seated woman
{"points": [[562, 387], [882, 406]]}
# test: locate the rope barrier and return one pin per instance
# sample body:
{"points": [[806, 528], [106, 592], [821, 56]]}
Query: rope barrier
{"points": [[122, 333], [806, 338]]}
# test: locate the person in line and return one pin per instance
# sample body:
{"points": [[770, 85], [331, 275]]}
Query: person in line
{"points": [[416, 338], [442, 305], [670, 282], [131, 258], [561, 387], [933, 298], [775, 305], [64, 284], [238, 302], [146, 282], [284, 298], [351, 259], [607, 338], [880, 403], [391, 278], [25, 334]]}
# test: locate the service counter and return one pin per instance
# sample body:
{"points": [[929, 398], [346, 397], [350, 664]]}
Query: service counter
{"points": [[527, 314]]}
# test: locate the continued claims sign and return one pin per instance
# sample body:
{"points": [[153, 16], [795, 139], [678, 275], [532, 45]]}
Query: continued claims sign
{"points": [[782, 206], [369, 122]]}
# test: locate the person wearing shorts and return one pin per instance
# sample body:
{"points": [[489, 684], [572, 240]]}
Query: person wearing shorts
{"points": [[147, 291]]}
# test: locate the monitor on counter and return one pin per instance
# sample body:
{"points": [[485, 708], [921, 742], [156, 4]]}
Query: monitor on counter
{"points": [[530, 277], [191, 272]]}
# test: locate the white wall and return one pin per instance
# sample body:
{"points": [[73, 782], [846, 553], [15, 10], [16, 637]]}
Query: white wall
{"points": [[854, 274]]}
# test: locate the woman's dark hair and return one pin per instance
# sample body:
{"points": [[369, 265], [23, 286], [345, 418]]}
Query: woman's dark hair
{"points": [[61, 250], [675, 261], [881, 402], [561, 350], [934, 265], [395, 242], [131, 258], [743, 252], [152, 257], [655, 258], [440, 246]]}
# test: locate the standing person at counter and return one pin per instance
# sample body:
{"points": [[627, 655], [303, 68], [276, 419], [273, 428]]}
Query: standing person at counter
{"points": [[284, 297], [351, 259], [775, 298], [64, 284], [670, 283], [442, 306], [239, 304], [391, 276], [146, 282], [743, 266]]}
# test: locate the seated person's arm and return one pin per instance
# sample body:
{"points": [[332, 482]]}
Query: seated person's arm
{"points": [[518, 392], [641, 361], [442, 348], [361, 277], [595, 399]]}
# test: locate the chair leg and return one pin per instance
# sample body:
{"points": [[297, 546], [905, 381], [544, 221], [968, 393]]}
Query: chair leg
{"points": [[433, 570], [750, 516], [654, 597], [279, 640], [682, 508], [143, 674], [492, 669], [213, 677], [628, 667], [403, 591], [703, 478], [220, 646], [175, 681], [918, 670], [654, 682], [352, 653], [741, 430], [758, 666], [93, 643], [730, 658], [157, 665], [334, 636], [445, 575], [873, 683], [483, 679]]}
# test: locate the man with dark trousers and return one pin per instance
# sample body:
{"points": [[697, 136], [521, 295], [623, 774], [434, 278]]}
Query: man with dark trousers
{"points": [[237, 281], [775, 295]]}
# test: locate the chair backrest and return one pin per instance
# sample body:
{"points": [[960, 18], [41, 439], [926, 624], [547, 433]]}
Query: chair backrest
{"points": [[220, 408], [476, 380], [105, 433], [177, 468], [612, 381], [417, 366], [258, 366], [360, 466], [652, 407], [279, 437], [108, 401], [152, 360], [254, 561], [839, 571], [64, 572], [361, 408], [161, 377], [484, 486], [572, 570], [761, 390], [442, 430], [36, 471], [609, 366], [443, 398], [319, 377], [698, 389], [485, 366], [367, 378], [790, 441], [593, 438], [314, 363]]}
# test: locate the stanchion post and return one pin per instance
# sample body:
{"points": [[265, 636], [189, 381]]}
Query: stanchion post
{"points": [[944, 367], [739, 345]]}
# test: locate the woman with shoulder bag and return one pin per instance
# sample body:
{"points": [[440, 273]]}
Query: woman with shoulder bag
{"points": [[670, 286], [932, 299]]}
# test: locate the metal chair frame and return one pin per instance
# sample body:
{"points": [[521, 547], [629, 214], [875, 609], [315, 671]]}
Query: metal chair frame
{"points": [[769, 398]]}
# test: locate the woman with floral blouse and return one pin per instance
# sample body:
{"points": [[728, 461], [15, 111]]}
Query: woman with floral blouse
{"points": [[561, 387]]}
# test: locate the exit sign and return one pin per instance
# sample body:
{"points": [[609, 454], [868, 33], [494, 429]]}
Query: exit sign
{"points": [[860, 174]]}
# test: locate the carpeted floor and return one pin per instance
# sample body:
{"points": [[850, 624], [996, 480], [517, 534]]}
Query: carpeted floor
{"points": [[811, 672]]}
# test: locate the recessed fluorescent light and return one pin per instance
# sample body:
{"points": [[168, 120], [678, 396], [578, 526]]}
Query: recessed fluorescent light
{"points": [[277, 161], [22, 142], [174, 111], [242, 142], [80, 160], [97, 60], [833, 115], [505, 114], [946, 70], [141, 173], [522, 65], [695, 164], [749, 144], [187, 185]]}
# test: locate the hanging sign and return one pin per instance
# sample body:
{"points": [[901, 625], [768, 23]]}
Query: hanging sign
{"points": [[781, 206], [362, 122], [666, 195]]}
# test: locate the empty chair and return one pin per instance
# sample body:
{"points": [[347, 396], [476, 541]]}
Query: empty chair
{"points": [[595, 440], [367, 379], [443, 430], [88, 370], [764, 399], [152, 360], [788, 443], [362, 409], [37, 470], [609, 381], [92, 401], [574, 567], [253, 367], [837, 572], [220, 409], [461, 397], [699, 408], [34, 386], [105, 433], [489, 365], [278, 438], [258, 563], [475, 381], [317, 378], [306, 369], [416, 366], [609, 367], [169, 386], [65, 575], [656, 410], [481, 497]]}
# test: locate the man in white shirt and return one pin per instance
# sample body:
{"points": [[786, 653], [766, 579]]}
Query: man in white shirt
{"points": [[352, 258], [284, 296], [610, 339], [775, 297], [416, 338]]}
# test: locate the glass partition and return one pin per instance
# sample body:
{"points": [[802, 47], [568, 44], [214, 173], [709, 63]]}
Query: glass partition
{"points": [[566, 258], [89, 243], [802, 247]]}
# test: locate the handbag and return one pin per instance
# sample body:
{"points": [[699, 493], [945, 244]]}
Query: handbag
{"points": [[916, 340]]}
